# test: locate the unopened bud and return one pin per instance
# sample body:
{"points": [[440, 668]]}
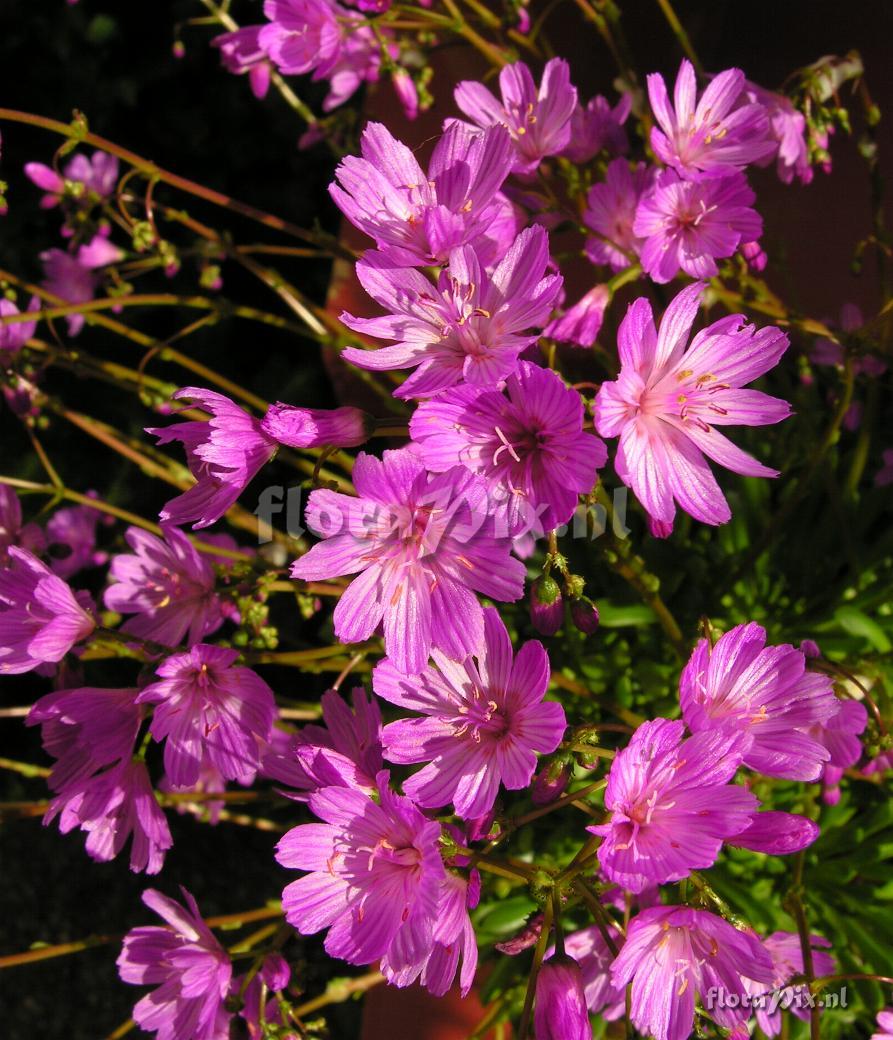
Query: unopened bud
{"points": [[546, 606]]}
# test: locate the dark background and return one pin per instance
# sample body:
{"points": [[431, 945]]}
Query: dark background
{"points": [[114, 61]]}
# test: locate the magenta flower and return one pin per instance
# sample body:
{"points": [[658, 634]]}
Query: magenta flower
{"points": [[209, 708], [688, 225], [317, 427], [241, 53], [303, 36], [528, 443], [538, 120], [787, 126], [98, 175], [611, 212], [672, 805], [483, 722], [85, 730], [345, 753], [69, 280], [14, 336], [787, 961], [167, 585], [224, 455], [840, 737], [40, 617], [12, 530], [884, 1025], [375, 878], [471, 327], [422, 545], [188, 965], [765, 694], [581, 324], [275, 975], [71, 540], [710, 136], [668, 400], [597, 127], [418, 218], [454, 937], [590, 950], [560, 1012], [358, 62], [112, 806], [672, 955]]}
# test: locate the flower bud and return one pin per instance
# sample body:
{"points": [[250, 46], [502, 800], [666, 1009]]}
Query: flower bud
{"points": [[755, 255], [406, 92], [584, 614], [546, 606], [317, 427], [561, 1012], [550, 783]]}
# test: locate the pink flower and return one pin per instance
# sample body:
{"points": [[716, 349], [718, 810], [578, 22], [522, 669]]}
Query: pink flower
{"points": [[483, 722], [346, 752], [71, 540], [470, 328], [40, 617], [454, 937], [538, 120], [672, 805], [527, 443], [787, 126], [840, 737], [188, 965], [98, 175], [275, 975], [710, 136], [884, 1025], [419, 217], [12, 530], [581, 324], [765, 694], [597, 127], [688, 225], [787, 961], [167, 585], [422, 545], [112, 806], [224, 455], [85, 730], [317, 427], [672, 955], [14, 335], [303, 36], [209, 709], [590, 950], [611, 211], [241, 52], [560, 1011], [375, 878], [668, 400]]}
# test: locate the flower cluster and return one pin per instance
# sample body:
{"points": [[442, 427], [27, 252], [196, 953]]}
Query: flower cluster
{"points": [[399, 808]]}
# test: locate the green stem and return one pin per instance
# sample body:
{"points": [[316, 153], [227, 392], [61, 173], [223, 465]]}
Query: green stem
{"points": [[681, 35], [76, 132]]}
